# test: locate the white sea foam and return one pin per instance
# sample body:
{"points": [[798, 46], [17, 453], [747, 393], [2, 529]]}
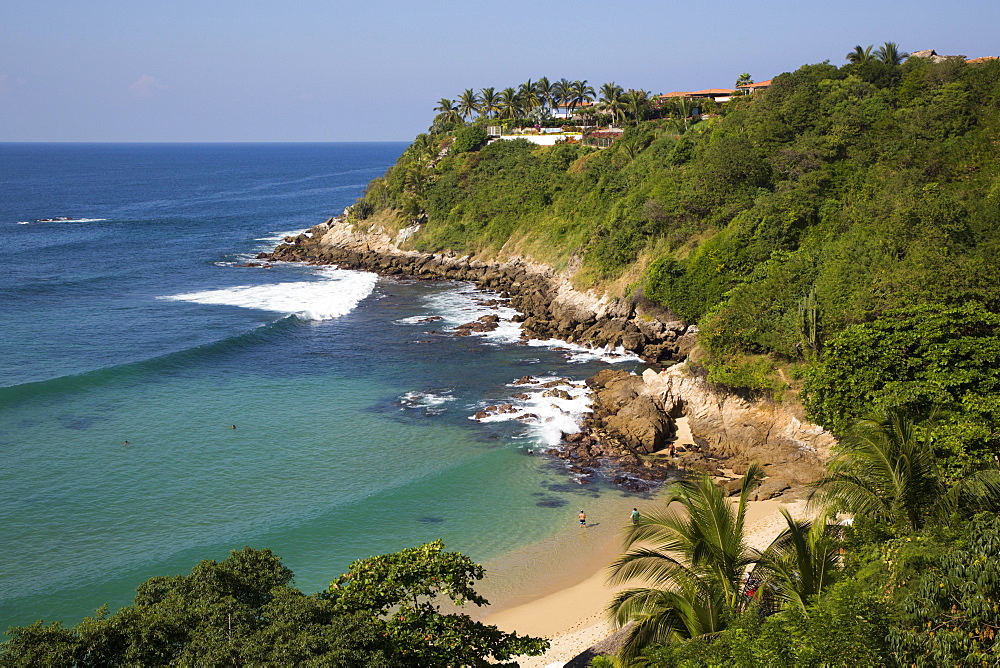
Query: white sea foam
{"points": [[546, 418], [577, 353], [264, 244], [64, 220], [429, 402], [275, 238], [460, 306], [336, 295]]}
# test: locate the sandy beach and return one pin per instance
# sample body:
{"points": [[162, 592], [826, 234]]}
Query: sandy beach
{"points": [[557, 589], [573, 619]]}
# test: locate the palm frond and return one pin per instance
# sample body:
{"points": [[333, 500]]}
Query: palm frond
{"points": [[691, 561]]}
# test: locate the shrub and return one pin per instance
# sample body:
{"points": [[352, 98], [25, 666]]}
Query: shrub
{"points": [[470, 138]]}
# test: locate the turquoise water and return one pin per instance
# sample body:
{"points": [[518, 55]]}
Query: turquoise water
{"points": [[353, 433]]}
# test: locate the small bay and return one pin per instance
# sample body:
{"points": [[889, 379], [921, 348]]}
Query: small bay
{"points": [[133, 322]]}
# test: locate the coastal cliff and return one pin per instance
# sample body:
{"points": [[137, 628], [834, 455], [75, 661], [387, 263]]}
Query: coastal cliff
{"points": [[551, 307], [634, 419]]}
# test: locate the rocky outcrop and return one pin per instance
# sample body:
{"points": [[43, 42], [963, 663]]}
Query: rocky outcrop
{"points": [[625, 413], [641, 425], [551, 308], [633, 425], [741, 431], [624, 427]]}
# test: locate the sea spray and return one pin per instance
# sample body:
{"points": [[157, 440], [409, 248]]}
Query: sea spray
{"points": [[548, 407], [430, 403], [468, 304], [337, 294]]}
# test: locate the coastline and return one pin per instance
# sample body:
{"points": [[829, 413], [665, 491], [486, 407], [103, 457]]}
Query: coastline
{"points": [[571, 615], [556, 588]]}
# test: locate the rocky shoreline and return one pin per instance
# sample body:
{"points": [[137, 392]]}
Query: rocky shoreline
{"points": [[627, 438], [551, 308]]}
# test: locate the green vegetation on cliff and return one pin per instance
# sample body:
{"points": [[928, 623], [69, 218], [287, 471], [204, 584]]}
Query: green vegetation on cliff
{"points": [[837, 199]]}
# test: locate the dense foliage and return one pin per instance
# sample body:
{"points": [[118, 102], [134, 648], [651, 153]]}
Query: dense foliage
{"points": [[795, 225], [694, 559], [400, 590], [921, 600], [913, 580], [919, 359], [244, 611]]}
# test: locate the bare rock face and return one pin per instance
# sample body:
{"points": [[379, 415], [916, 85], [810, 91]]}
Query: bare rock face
{"points": [[743, 431], [641, 425], [614, 389], [633, 415]]}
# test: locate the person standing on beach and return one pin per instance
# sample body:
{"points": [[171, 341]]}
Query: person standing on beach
{"points": [[583, 518], [634, 516]]}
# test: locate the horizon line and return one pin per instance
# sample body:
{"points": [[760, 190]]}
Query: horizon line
{"points": [[87, 141]]}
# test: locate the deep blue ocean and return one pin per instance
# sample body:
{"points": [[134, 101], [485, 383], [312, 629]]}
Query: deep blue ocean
{"points": [[134, 322]]}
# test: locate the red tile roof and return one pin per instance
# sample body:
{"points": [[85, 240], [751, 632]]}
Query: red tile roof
{"points": [[714, 91]]}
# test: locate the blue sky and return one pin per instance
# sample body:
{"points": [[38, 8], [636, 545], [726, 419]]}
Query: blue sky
{"points": [[303, 70]]}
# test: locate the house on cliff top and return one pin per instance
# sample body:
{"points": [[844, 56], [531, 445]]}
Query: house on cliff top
{"points": [[751, 88]]}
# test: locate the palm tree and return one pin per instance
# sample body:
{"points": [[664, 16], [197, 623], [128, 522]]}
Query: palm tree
{"points": [[691, 608], [611, 98], [424, 148], [580, 93], [546, 92], [489, 102], [636, 101], [890, 54], [510, 104], [417, 178], [448, 109], [685, 106], [630, 148], [693, 562], [802, 562], [444, 105], [527, 93], [860, 56], [563, 92], [468, 103], [886, 471]]}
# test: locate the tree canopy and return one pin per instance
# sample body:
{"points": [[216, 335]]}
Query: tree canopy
{"points": [[244, 611]]}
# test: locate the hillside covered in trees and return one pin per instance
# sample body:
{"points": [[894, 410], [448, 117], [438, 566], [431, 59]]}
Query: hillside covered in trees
{"points": [[836, 233]]}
